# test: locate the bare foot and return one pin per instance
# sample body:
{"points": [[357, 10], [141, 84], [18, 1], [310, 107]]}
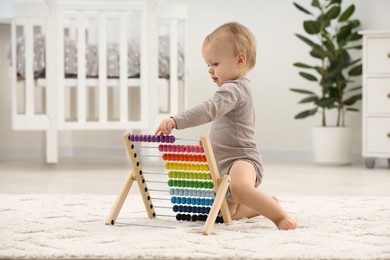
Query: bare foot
{"points": [[287, 223]]}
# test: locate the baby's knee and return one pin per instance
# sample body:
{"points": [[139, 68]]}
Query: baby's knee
{"points": [[238, 193]]}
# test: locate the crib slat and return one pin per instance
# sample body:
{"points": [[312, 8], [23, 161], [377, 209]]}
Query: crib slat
{"points": [[63, 93], [102, 106], [123, 93], [148, 68], [29, 68], [14, 72], [81, 71], [173, 80]]}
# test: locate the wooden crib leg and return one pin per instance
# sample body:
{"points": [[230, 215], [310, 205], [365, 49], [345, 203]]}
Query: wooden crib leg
{"points": [[120, 199], [218, 200]]}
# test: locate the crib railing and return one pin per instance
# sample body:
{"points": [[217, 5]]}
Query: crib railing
{"points": [[122, 14], [24, 115], [116, 103]]}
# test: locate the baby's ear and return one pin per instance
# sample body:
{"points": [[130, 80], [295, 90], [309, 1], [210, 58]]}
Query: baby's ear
{"points": [[241, 59]]}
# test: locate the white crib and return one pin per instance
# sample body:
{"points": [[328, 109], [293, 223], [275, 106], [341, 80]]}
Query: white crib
{"points": [[56, 100]]}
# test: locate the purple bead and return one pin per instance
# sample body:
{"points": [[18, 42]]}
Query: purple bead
{"points": [[135, 138], [130, 137], [172, 139], [162, 139], [158, 138], [149, 138], [153, 138], [144, 138]]}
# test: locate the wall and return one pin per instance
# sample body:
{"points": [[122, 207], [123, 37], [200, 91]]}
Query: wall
{"points": [[274, 23]]}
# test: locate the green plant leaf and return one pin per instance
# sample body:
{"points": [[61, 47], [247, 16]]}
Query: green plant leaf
{"points": [[306, 113], [352, 100], [316, 3], [302, 9], [308, 76], [347, 13], [355, 71], [303, 65], [326, 102], [318, 52], [328, 42], [354, 62], [308, 99], [302, 91], [332, 13], [354, 24], [307, 41], [311, 27], [356, 47], [332, 2], [354, 89], [354, 37]]}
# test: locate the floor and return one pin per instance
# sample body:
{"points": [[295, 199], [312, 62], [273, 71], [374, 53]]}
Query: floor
{"points": [[282, 178]]}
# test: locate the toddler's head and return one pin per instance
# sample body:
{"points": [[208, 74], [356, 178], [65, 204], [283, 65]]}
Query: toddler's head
{"points": [[230, 52]]}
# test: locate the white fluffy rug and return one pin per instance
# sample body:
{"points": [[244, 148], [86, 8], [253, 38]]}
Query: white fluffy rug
{"points": [[72, 227]]}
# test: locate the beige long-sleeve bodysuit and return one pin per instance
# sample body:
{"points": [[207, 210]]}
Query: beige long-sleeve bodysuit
{"points": [[232, 131]]}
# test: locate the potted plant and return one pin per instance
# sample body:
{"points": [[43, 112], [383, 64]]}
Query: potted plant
{"points": [[331, 35]]}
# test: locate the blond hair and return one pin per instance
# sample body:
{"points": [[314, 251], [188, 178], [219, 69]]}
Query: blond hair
{"points": [[241, 38]]}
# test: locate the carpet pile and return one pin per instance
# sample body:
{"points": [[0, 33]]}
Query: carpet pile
{"points": [[55, 226]]}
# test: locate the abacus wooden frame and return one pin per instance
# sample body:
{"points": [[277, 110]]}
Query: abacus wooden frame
{"points": [[221, 186]]}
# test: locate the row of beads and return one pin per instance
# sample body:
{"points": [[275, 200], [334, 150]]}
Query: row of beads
{"points": [[177, 148], [191, 209], [192, 201], [189, 175], [190, 184], [192, 192], [184, 157], [152, 138], [186, 166], [188, 217]]}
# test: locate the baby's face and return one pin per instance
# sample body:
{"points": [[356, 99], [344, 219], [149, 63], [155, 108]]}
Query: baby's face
{"points": [[221, 62]]}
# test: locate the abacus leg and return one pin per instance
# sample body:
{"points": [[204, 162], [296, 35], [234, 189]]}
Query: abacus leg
{"points": [[219, 198], [120, 199]]}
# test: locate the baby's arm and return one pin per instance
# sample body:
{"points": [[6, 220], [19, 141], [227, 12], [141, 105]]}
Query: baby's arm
{"points": [[166, 126], [222, 102]]}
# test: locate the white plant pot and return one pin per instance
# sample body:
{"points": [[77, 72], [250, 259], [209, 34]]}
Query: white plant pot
{"points": [[332, 145]]}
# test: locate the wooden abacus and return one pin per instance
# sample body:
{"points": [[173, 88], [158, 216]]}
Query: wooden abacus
{"points": [[193, 179]]}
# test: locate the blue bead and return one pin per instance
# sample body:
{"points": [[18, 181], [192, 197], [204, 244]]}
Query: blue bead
{"points": [[173, 200], [175, 208]]}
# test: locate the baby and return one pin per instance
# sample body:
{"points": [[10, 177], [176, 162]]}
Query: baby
{"points": [[230, 53]]}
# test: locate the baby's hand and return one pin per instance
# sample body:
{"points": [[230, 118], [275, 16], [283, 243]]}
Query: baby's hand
{"points": [[166, 126]]}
